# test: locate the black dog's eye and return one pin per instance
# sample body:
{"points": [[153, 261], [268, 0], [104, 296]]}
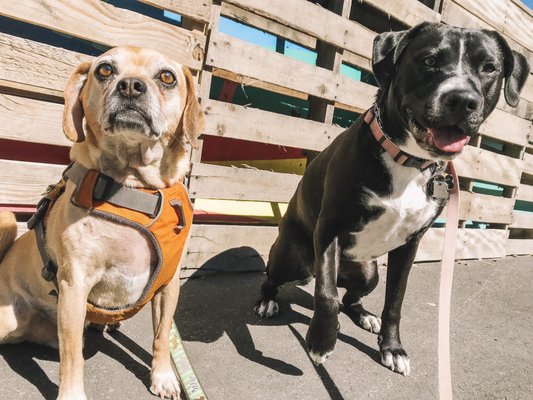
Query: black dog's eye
{"points": [[104, 70], [167, 77], [430, 61], [488, 68]]}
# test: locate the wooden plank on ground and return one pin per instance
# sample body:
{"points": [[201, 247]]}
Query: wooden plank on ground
{"points": [[231, 120], [522, 220], [524, 192], [471, 243], [476, 163], [303, 16], [519, 246], [25, 182], [246, 59], [411, 12], [199, 10], [31, 120], [506, 127], [230, 183], [36, 67], [268, 25], [103, 23]]}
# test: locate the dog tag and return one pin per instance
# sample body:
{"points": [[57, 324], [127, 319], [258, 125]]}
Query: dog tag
{"points": [[440, 189]]}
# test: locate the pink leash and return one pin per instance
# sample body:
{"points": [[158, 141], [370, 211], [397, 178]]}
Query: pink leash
{"points": [[445, 292]]}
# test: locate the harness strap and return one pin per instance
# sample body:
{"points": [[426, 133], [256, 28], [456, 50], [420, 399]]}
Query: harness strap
{"points": [[107, 189], [445, 291]]}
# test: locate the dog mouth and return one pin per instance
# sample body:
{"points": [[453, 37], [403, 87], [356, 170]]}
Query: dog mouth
{"points": [[131, 119], [446, 140]]}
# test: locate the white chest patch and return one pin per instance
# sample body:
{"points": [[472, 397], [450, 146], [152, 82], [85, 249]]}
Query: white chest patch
{"points": [[406, 210]]}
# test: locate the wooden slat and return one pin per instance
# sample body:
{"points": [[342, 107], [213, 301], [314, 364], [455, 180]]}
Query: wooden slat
{"points": [[504, 16], [509, 128], [471, 243], [25, 182], [411, 12], [304, 16], [485, 208], [199, 10], [231, 120], [476, 163], [103, 23], [522, 220], [527, 165], [454, 14], [519, 246], [527, 91], [524, 192], [31, 121], [268, 25], [234, 55], [36, 67], [216, 182]]}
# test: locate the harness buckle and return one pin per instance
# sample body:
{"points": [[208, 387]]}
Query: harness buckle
{"points": [[42, 208], [101, 187], [178, 208]]}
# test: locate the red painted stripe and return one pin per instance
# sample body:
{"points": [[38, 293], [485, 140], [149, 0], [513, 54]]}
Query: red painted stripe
{"points": [[36, 152]]}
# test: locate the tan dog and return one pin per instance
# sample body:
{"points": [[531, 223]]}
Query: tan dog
{"points": [[140, 110]]}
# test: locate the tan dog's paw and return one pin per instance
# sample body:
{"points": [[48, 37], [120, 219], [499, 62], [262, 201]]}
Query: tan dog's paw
{"points": [[72, 396], [165, 385]]}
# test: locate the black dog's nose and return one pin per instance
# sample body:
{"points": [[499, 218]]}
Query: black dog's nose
{"points": [[131, 87], [462, 101]]}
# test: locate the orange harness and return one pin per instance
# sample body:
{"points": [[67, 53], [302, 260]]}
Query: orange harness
{"points": [[163, 216]]}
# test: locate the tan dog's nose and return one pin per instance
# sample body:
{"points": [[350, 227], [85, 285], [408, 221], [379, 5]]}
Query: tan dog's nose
{"points": [[131, 87]]}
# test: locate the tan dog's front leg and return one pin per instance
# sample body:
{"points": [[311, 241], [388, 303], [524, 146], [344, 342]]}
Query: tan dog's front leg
{"points": [[163, 379], [70, 322]]}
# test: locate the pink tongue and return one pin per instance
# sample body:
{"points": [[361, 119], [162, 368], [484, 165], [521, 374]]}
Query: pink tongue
{"points": [[448, 141]]}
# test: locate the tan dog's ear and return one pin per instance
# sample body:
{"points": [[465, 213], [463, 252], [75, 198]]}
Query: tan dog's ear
{"points": [[73, 112], [192, 121]]}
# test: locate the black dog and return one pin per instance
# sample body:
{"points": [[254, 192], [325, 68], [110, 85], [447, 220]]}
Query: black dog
{"points": [[356, 201]]}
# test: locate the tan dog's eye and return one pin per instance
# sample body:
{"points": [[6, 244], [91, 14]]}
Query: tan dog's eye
{"points": [[167, 77], [104, 70]]}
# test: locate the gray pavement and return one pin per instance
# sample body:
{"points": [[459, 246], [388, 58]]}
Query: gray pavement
{"points": [[238, 356]]}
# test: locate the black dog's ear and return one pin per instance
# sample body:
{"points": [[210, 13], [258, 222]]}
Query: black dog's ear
{"points": [[387, 49], [516, 70]]}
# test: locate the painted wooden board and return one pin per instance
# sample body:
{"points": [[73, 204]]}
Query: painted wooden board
{"points": [[303, 16], [522, 220], [36, 67], [31, 120], [519, 246], [103, 23], [234, 121], [199, 10], [476, 163], [246, 59], [25, 182]]}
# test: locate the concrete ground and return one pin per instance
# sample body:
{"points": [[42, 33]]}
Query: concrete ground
{"points": [[238, 356]]}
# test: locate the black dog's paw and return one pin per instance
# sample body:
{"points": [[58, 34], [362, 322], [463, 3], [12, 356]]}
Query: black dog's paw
{"points": [[363, 318], [395, 358], [321, 341], [266, 308]]}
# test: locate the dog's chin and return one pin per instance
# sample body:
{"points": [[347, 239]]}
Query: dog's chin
{"points": [[132, 124], [443, 142]]}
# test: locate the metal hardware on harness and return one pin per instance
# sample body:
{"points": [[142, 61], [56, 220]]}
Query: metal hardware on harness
{"points": [[181, 215], [440, 186]]}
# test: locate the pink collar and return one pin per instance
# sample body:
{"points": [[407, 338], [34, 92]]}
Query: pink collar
{"points": [[398, 155]]}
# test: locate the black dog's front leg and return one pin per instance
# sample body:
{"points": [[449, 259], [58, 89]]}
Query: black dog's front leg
{"points": [[400, 261], [322, 333]]}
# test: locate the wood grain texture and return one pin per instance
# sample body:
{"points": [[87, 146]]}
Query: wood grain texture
{"points": [[103, 23], [519, 246], [303, 16], [199, 10], [31, 120], [234, 55], [506, 127], [524, 192], [411, 12], [231, 120], [36, 67]]}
